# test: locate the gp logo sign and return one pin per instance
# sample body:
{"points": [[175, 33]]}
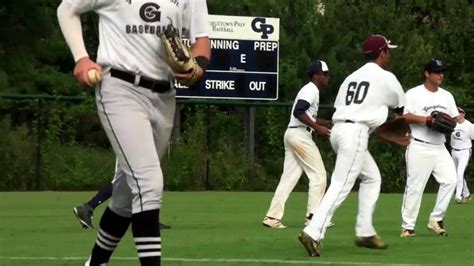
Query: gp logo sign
{"points": [[149, 12], [259, 25]]}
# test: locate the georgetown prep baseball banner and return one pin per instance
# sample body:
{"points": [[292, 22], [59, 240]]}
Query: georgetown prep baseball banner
{"points": [[244, 61]]}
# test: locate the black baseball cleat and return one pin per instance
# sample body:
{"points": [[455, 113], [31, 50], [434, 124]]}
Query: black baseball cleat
{"points": [[374, 241], [84, 215], [164, 226], [312, 246]]}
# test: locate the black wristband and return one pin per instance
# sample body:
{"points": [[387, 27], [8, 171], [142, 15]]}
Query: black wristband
{"points": [[202, 61]]}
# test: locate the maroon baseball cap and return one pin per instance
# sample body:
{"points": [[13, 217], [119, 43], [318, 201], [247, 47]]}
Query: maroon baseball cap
{"points": [[375, 43]]}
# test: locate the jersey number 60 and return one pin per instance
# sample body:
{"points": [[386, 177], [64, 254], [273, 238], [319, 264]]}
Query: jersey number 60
{"points": [[356, 93]]}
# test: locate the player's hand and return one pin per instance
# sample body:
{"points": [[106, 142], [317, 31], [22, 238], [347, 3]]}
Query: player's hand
{"points": [[329, 124], [83, 65], [429, 121], [187, 76], [322, 130]]}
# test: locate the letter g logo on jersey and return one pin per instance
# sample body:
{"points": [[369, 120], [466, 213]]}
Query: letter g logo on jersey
{"points": [[149, 12], [259, 25]]}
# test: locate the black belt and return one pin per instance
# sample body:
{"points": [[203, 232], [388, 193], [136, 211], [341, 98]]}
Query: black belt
{"points": [[461, 149], [307, 128], [349, 121], [422, 141], [159, 86]]}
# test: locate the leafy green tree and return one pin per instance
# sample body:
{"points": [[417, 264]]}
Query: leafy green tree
{"points": [[334, 30], [34, 59]]}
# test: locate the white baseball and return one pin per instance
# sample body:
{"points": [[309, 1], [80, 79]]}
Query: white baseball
{"points": [[94, 76]]}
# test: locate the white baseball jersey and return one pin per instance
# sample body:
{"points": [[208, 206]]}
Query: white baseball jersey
{"points": [[130, 40], [366, 94], [424, 160], [461, 143], [422, 102], [364, 98], [462, 136], [301, 154], [309, 93]]}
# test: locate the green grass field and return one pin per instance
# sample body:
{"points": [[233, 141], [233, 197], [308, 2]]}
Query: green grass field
{"points": [[224, 228]]}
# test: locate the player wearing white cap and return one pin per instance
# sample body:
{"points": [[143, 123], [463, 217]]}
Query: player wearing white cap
{"points": [[427, 155], [461, 144], [301, 153], [362, 105], [136, 105]]}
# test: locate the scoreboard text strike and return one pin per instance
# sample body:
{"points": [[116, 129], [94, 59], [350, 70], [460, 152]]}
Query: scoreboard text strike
{"points": [[244, 61]]}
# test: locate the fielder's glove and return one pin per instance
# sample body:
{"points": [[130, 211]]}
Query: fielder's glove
{"points": [[179, 56], [441, 122], [396, 131]]}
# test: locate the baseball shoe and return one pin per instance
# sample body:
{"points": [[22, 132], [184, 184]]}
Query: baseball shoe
{"points": [[407, 233], [312, 246], [88, 263], [164, 226], [374, 241], [466, 199], [437, 227], [463, 200], [273, 223], [84, 215]]}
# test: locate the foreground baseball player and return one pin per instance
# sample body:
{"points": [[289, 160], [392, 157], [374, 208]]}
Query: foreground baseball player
{"points": [[461, 144], [427, 155], [361, 105], [136, 105], [301, 153]]}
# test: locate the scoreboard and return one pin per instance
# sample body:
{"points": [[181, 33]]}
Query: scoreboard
{"points": [[244, 60]]}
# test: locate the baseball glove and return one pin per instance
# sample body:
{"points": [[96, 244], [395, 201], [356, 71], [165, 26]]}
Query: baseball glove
{"points": [[441, 122], [396, 131], [179, 56]]}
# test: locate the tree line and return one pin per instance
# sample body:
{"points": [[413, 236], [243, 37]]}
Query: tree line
{"points": [[34, 59]]}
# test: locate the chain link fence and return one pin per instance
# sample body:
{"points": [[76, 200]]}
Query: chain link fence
{"points": [[57, 143]]}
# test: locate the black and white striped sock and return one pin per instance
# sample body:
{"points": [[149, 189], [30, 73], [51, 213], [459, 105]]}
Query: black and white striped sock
{"points": [[106, 241], [112, 229], [146, 234], [148, 247]]}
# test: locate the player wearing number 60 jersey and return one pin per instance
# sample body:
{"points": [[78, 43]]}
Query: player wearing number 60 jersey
{"points": [[361, 105]]}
